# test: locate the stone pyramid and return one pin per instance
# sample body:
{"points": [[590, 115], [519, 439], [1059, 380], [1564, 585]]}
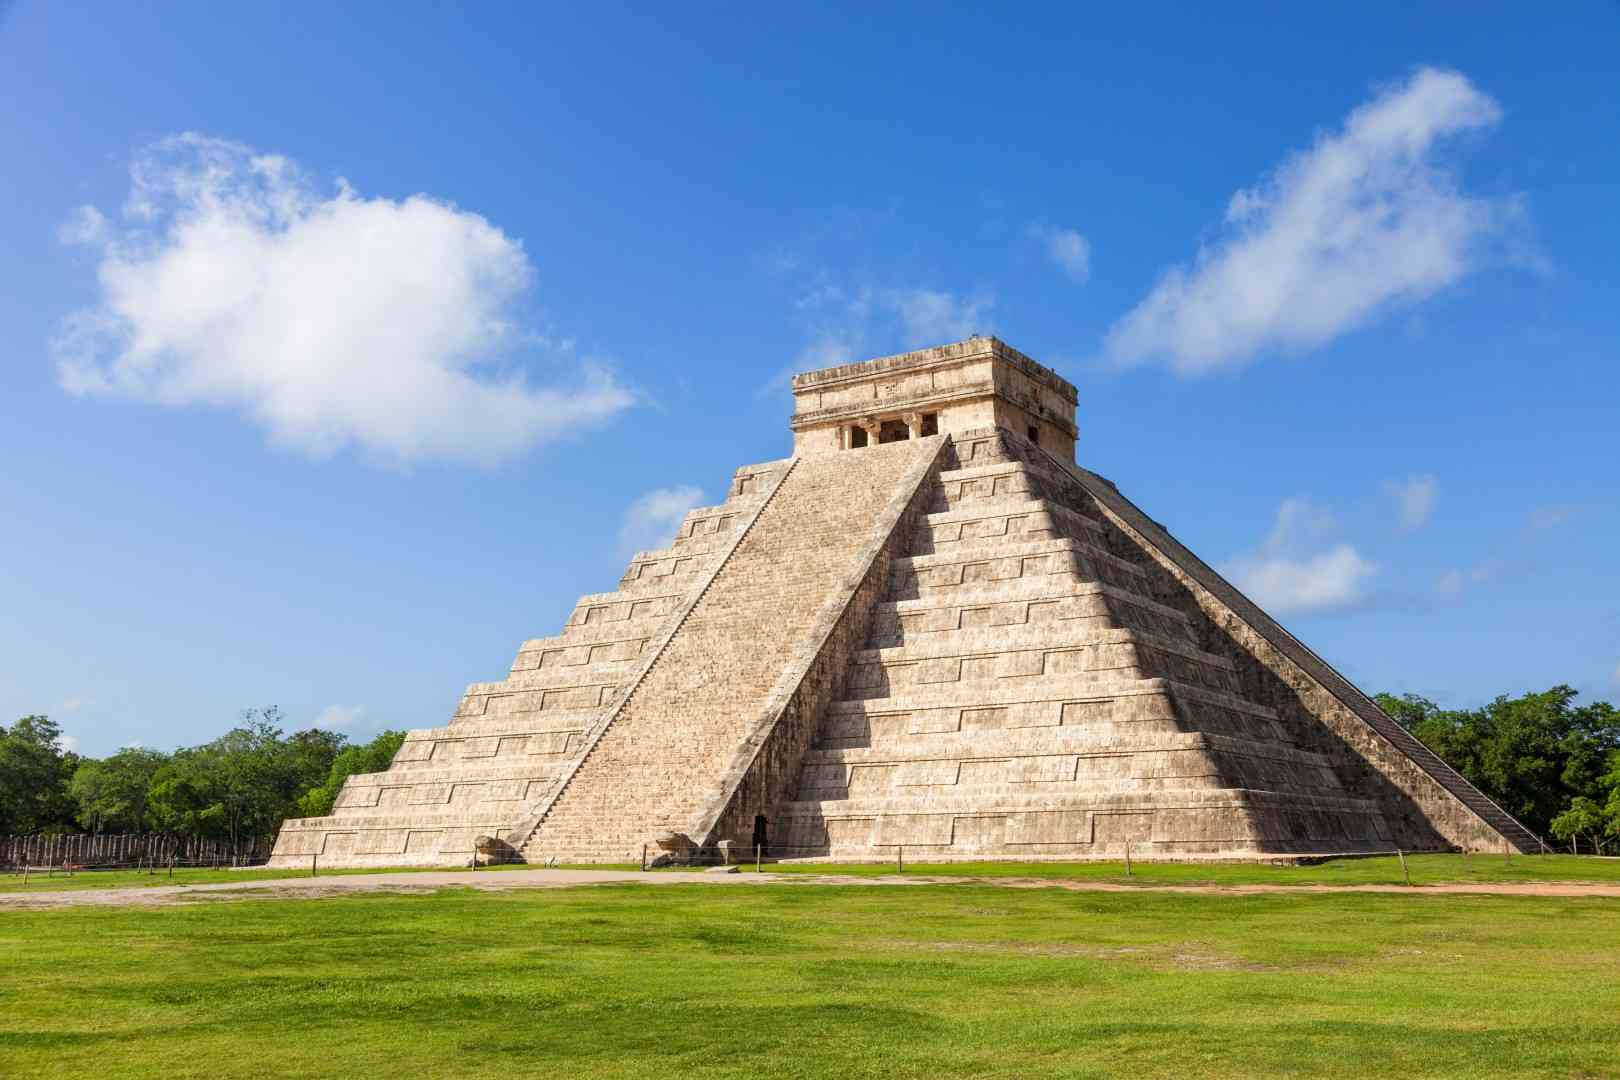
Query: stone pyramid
{"points": [[927, 629]]}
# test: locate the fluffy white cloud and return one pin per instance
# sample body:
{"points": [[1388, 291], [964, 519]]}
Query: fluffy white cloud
{"points": [[650, 522], [342, 718], [1070, 251], [1295, 570], [1365, 218], [333, 320], [1414, 499], [69, 744]]}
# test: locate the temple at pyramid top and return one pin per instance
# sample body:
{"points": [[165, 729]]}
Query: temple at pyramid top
{"points": [[969, 385]]}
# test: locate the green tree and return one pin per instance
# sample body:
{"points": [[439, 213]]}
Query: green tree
{"points": [[1585, 817], [1533, 754], [33, 777], [374, 756], [112, 793]]}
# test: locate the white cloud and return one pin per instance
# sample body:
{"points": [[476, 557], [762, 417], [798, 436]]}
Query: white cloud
{"points": [[69, 744], [1066, 248], [1414, 499], [74, 704], [342, 718], [650, 522], [333, 320], [1294, 571], [1366, 218], [846, 324], [932, 317], [1452, 582], [87, 226]]}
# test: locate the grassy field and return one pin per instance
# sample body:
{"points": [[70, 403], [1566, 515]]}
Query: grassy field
{"points": [[1424, 870], [816, 980]]}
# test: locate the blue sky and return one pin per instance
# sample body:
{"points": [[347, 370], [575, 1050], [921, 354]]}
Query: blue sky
{"points": [[343, 349]]}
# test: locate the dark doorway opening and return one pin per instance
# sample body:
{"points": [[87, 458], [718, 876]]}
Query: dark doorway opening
{"points": [[857, 437], [893, 431], [930, 423], [1034, 434]]}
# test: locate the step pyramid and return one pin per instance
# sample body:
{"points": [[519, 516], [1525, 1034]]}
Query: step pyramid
{"points": [[927, 630]]}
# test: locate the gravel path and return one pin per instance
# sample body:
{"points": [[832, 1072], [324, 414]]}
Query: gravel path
{"points": [[337, 885]]}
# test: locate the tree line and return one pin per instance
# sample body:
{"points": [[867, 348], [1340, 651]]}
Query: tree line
{"points": [[1552, 763], [237, 788], [1549, 762]]}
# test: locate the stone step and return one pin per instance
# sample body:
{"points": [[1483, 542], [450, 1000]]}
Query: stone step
{"points": [[623, 606], [1013, 800], [1049, 693], [982, 552], [517, 724], [1044, 637], [626, 631], [1045, 599], [998, 743]]}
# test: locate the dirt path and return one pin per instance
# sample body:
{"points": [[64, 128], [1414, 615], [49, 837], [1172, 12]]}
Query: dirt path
{"points": [[316, 888]]}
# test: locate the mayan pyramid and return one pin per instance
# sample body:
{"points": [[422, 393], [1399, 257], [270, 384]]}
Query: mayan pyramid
{"points": [[927, 629]]}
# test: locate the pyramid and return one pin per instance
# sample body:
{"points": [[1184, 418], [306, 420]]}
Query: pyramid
{"points": [[928, 629]]}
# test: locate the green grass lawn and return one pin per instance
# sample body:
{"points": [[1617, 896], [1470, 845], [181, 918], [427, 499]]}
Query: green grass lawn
{"points": [[814, 980], [1424, 870], [1380, 870]]}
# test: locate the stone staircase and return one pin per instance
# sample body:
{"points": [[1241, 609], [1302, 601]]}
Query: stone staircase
{"points": [[1024, 695], [509, 742], [663, 757]]}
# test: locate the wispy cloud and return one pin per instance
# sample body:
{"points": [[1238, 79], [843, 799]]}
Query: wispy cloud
{"points": [[1453, 582], [650, 522], [1067, 249], [1366, 218], [330, 318], [845, 323], [1297, 569], [346, 718], [1414, 499]]}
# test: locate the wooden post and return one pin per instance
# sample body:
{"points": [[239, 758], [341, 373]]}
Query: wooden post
{"points": [[1404, 872], [900, 858], [312, 857], [756, 858], [644, 858], [1127, 858]]}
